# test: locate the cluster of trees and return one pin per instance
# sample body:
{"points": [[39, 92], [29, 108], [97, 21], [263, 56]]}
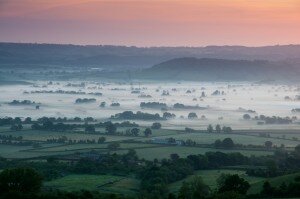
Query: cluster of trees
{"points": [[246, 110], [64, 119], [155, 177], [129, 115], [64, 139], [145, 96], [270, 120], [277, 120], [28, 120], [156, 125], [226, 143], [167, 115], [155, 105], [111, 128], [63, 92], [218, 129], [12, 140], [217, 92], [115, 104], [136, 132], [182, 106], [192, 115], [189, 130], [284, 190], [10, 121], [102, 104], [16, 127], [22, 102], [296, 110], [84, 100], [50, 126], [229, 186]]}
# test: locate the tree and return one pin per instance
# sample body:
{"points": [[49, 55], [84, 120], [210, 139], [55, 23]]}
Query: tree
{"points": [[113, 145], [246, 117], [101, 140], [195, 189], [192, 115], [233, 183], [268, 144], [24, 180], [227, 143], [110, 128], [27, 120], [135, 131], [48, 125], [226, 129], [210, 129], [168, 115], [102, 104], [297, 151], [147, 132], [174, 156], [218, 143], [267, 189], [156, 125], [90, 129], [218, 128]]}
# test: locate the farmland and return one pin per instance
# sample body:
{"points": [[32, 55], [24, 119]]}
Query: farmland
{"points": [[92, 149]]}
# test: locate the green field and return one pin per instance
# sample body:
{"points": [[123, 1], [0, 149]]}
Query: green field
{"points": [[129, 186], [209, 138], [144, 150], [256, 187], [44, 135], [78, 182], [106, 183], [182, 151], [210, 178]]}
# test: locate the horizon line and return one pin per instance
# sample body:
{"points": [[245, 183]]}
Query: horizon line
{"points": [[136, 46]]}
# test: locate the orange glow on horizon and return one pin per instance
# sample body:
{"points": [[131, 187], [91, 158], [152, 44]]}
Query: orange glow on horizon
{"points": [[167, 22]]}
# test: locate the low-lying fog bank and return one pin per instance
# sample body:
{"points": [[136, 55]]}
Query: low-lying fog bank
{"points": [[180, 105]]}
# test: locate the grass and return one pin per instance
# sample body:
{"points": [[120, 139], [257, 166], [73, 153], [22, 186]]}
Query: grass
{"points": [[12, 151], [210, 178], [146, 151], [165, 151], [79, 147], [44, 135], [130, 186], [276, 181], [127, 186], [208, 138], [109, 183]]}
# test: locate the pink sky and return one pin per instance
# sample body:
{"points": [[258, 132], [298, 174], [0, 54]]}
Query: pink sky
{"points": [[151, 23]]}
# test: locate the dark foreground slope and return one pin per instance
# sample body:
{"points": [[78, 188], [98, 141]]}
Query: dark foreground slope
{"points": [[221, 69]]}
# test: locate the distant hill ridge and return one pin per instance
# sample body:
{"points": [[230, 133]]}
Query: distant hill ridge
{"points": [[122, 57], [190, 68]]}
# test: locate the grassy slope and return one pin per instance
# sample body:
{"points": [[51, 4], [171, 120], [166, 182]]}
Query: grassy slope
{"points": [[210, 176], [104, 183], [256, 187]]}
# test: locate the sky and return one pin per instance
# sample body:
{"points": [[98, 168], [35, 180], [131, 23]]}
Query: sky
{"points": [[151, 22]]}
